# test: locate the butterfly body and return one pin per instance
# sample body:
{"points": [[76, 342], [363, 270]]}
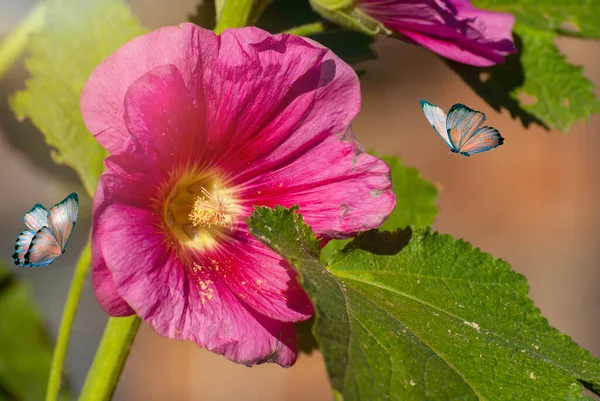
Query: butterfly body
{"points": [[47, 233], [462, 129]]}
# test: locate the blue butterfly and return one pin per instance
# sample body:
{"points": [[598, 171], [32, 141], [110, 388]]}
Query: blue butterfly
{"points": [[47, 232], [462, 129]]}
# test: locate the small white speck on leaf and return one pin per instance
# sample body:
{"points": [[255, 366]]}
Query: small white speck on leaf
{"points": [[473, 325], [412, 383], [532, 375]]}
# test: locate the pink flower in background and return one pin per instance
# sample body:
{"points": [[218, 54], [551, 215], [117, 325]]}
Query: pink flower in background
{"points": [[451, 28], [200, 128]]}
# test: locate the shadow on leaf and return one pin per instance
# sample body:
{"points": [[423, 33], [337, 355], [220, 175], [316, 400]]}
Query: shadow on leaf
{"points": [[495, 84], [590, 386], [306, 340], [381, 243]]}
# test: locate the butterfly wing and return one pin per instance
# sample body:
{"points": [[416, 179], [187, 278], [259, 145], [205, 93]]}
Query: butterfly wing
{"points": [[43, 250], [482, 140], [437, 119], [22, 246], [462, 123], [36, 218], [62, 219]]}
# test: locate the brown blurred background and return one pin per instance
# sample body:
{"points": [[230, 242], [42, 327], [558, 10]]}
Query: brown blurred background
{"points": [[533, 202]]}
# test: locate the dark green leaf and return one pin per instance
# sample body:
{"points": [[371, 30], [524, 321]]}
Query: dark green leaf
{"points": [[25, 352], [418, 315], [205, 15], [567, 16], [539, 85], [306, 340], [77, 36], [281, 15]]}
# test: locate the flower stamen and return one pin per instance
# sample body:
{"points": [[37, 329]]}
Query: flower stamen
{"points": [[199, 210], [209, 210]]}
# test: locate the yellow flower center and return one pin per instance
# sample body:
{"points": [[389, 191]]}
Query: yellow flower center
{"points": [[200, 210]]}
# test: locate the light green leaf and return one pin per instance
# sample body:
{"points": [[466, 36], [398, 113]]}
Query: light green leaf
{"points": [[76, 37], [415, 202], [418, 315], [25, 350], [564, 16], [539, 85]]}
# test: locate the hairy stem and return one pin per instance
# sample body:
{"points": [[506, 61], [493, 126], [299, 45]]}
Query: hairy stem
{"points": [[64, 332], [307, 29], [110, 358]]}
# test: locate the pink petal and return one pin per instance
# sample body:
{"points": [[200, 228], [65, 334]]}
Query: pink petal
{"points": [[497, 27], [453, 51], [272, 97], [104, 287], [339, 189], [130, 180], [103, 98], [452, 28], [164, 118], [259, 277], [180, 300]]}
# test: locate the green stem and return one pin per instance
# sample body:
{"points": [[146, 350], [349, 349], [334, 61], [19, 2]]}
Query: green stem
{"points": [[307, 29], [110, 357], [64, 332], [234, 14], [14, 44]]}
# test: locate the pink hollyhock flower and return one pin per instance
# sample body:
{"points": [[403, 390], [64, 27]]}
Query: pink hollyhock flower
{"points": [[451, 28], [200, 128]]}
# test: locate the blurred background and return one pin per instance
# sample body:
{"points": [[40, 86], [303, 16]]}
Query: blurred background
{"points": [[534, 202]]}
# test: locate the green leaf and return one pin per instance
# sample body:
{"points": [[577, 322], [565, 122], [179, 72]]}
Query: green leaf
{"points": [[77, 36], [539, 85], [205, 15], [415, 202], [418, 315], [282, 15], [564, 16], [26, 350]]}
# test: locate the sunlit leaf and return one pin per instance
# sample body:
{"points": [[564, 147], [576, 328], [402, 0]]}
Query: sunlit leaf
{"points": [[418, 315], [77, 36]]}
